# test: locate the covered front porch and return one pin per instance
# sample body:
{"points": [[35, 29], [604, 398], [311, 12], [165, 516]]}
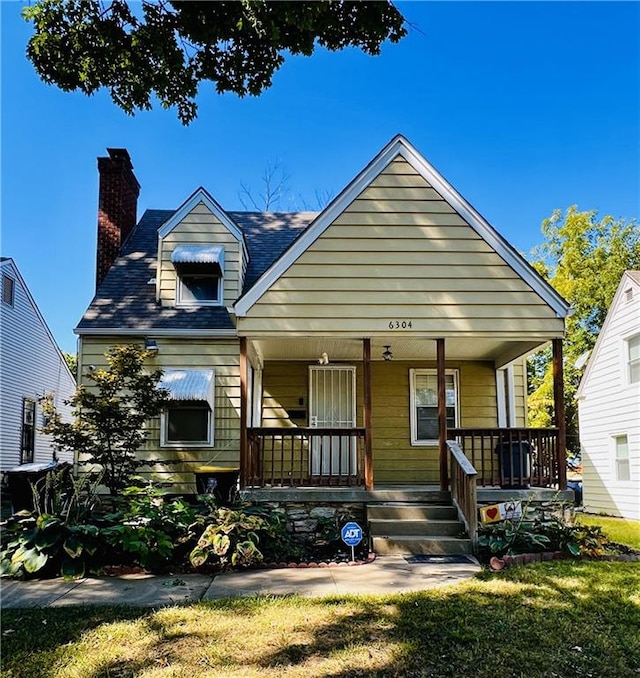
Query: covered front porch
{"points": [[391, 410]]}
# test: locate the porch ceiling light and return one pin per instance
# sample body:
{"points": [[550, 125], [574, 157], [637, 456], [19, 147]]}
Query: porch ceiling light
{"points": [[386, 354]]}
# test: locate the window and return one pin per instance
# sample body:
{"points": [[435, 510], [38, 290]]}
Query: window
{"points": [[633, 359], [8, 286], [188, 423], [424, 404], [200, 288], [188, 420], [28, 431], [199, 271], [623, 471]]}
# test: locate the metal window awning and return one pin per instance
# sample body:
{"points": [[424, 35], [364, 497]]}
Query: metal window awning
{"points": [[189, 385], [208, 255]]}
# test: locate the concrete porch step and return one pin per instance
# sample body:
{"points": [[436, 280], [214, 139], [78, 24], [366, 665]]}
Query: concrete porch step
{"points": [[410, 511], [431, 546], [391, 527]]}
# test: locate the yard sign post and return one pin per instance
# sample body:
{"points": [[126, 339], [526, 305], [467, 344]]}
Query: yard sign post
{"points": [[351, 535]]}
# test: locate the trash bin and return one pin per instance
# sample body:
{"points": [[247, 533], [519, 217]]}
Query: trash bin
{"points": [[515, 465], [21, 478], [219, 481]]}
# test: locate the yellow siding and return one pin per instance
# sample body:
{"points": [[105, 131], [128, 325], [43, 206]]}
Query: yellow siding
{"points": [[520, 392], [200, 226], [395, 460], [178, 465], [399, 251]]}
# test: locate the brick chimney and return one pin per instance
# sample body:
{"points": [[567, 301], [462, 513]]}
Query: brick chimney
{"points": [[117, 207]]}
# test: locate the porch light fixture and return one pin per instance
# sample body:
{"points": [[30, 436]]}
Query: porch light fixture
{"points": [[386, 354], [150, 345]]}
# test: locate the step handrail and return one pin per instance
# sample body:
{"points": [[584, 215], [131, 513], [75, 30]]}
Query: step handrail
{"points": [[463, 489]]}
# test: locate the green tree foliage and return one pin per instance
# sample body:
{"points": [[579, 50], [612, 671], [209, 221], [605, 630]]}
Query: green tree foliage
{"points": [[583, 257], [110, 415], [165, 49], [72, 363]]}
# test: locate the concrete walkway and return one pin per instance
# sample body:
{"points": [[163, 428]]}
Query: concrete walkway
{"points": [[385, 575]]}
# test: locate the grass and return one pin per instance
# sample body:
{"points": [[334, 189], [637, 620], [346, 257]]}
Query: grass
{"points": [[568, 619], [619, 530]]}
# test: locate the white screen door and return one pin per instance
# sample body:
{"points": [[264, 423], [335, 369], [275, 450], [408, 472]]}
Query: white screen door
{"points": [[332, 404]]}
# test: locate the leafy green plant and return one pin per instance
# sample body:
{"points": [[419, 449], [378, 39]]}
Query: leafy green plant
{"points": [[110, 416], [150, 529], [511, 537], [62, 536], [231, 538], [45, 545], [551, 534]]}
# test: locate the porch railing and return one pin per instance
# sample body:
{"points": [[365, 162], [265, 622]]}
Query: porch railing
{"points": [[463, 489], [511, 457], [305, 457]]}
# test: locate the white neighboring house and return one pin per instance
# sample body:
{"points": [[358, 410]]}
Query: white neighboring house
{"points": [[32, 369], [609, 409]]}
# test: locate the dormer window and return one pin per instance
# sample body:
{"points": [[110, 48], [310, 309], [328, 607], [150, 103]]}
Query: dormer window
{"points": [[199, 274]]}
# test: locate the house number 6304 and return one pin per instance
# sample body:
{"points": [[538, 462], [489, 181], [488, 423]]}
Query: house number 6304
{"points": [[400, 324]]}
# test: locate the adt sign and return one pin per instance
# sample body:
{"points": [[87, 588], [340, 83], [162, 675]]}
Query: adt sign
{"points": [[351, 534]]}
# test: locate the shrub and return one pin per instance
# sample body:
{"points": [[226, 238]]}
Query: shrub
{"points": [[150, 530]]}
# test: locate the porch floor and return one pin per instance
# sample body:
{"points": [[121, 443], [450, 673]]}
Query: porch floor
{"points": [[398, 493]]}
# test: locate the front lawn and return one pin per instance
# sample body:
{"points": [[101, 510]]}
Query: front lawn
{"points": [[569, 619], [620, 530]]}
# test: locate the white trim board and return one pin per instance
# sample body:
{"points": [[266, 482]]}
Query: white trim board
{"points": [[200, 195], [400, 147]]}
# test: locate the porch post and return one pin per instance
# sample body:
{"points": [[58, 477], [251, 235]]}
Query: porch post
{"points": [[442, 415], [558, 406], [368, 457], [244, 446]]}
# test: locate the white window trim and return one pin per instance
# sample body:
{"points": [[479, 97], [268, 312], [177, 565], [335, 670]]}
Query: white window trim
{"points": [[210, 420], [627, 360], [614, 455], [180, 302], [164, 421], [413, 372]]}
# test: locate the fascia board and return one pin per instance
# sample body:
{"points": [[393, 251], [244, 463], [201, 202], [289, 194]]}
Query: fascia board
{"points": [[201, 195], [149, 331], [626, 278], [399, 146]]}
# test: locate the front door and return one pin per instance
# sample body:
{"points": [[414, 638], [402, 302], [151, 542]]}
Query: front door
{"points": [[332, 404]]}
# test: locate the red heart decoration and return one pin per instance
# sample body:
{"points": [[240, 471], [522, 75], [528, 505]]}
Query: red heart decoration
{"points": [[492, 512]]}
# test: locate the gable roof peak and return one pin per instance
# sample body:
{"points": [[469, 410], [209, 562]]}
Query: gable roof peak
{"points": [[399, 145], [201, 195]]}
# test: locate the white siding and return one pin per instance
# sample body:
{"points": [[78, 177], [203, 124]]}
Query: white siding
{"points": [[31, 365], [610, 406]]}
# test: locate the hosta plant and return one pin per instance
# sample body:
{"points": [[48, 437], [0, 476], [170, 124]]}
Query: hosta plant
{"points": [[46, 546], [232, 537]]}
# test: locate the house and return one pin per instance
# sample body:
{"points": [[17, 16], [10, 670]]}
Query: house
{"points": [[32, 370], [609, 409], [339, 349]]}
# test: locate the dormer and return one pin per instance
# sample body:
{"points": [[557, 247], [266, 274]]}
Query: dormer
{"points": [[202, 256]]}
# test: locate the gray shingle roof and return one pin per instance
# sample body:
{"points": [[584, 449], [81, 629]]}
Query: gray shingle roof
{"points": [[126, 300]]}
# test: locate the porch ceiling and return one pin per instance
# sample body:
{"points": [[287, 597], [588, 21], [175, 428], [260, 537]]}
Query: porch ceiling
{"points": [[311, 349]]}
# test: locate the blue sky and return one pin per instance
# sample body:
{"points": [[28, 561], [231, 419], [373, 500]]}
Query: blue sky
{"points": [[524, 107]]}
